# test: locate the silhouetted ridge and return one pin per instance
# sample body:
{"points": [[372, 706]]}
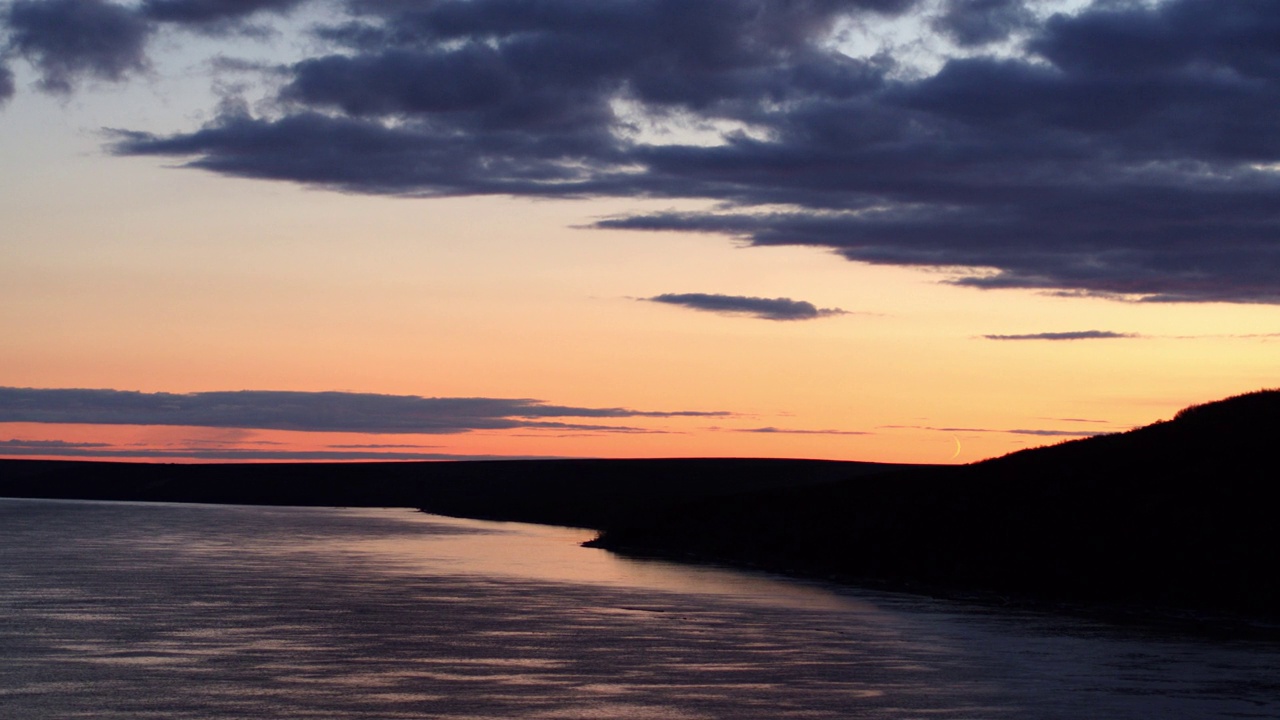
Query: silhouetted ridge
{"points": [[1176, 514], [1256, 409], [584, 493]]}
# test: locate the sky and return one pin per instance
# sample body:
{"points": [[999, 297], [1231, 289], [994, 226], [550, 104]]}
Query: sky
{"points": [[884, 230]]}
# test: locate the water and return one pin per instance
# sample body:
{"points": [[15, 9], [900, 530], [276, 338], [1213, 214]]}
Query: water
{"points": [[120, 610]]}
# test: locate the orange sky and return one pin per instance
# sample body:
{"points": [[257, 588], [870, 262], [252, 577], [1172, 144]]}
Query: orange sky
{"points": [[127, 274], [128, 284]]}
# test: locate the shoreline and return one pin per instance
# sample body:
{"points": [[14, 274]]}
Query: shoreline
{"points": [[1161, 620]]}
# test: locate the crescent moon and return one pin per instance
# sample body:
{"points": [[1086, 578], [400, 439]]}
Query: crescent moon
{"points": [[956, 454]]}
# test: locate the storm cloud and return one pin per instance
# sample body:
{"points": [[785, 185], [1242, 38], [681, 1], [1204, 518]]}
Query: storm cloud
{"points": [[307, 411], [765, 308], [1125, 150]]}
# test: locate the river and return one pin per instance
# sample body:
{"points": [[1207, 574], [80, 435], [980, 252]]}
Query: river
{"points": [[129, 610]]}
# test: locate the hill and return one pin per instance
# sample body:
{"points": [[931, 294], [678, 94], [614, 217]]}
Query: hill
{"points": [[583, 493], [1178, 514]]}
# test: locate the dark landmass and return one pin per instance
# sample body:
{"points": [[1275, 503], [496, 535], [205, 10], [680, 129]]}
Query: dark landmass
{"points": [[1174, 516], [595, 494]]}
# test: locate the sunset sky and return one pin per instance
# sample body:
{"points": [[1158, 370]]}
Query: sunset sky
{"points": [[885, 230]]}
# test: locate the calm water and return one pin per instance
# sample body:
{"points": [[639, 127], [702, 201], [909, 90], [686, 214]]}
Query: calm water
{"points": [[168, 611]]}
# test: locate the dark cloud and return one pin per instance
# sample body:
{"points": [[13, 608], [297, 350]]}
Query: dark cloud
{"points": [[17, 445], [766, 308], [978, 22], [103, 451], [67, 40], [6, 83], [512, 97], [1129, 151], [212, 12], [305, 411], [1074, 335], [1177, 37], [366, 156]]}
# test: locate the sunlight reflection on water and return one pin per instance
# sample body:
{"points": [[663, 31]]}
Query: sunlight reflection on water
{"points": [[555, 554], [169, 611]]}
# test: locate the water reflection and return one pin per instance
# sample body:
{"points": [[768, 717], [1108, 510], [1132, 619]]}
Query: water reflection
{"points": [[128, 611], [554, 554]]}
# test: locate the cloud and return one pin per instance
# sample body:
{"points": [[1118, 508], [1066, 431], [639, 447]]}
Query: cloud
{"points": [[17, 445], [198, 450], [765, 308], [1076, 335], [978, 22], [1052, 433], [306, 411], [89, 450], [1016, 431], [1226, 336], [6, 83], [787, 431], [1125, 150], [380, 446], [67, 40], [212, 12]]}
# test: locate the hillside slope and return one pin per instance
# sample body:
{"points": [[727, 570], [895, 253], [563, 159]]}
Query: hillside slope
{"points": [[1178, 514]]}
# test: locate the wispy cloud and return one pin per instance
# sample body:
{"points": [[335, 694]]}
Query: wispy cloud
{"points": [[792, 431], [380, 446], [18, 445], [1108, 335], [308, 411], [1052, 433], [1226, 336], [1074, 335], [764, 308], [1004, 431]]}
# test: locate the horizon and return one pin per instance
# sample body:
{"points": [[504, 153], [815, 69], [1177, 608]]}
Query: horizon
{"points": [[906, 231]]}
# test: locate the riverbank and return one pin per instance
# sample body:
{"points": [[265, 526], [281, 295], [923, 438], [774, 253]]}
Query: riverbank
{"points": [[1173, 517]]}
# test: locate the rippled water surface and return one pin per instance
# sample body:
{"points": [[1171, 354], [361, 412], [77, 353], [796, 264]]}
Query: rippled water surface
{"points": [[120, 610]]}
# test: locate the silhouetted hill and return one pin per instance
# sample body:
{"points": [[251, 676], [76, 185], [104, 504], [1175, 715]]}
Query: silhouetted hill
{"points": [[1178, 514], [583, 493]]}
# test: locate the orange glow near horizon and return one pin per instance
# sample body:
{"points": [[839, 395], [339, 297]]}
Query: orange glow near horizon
{"points": [[507, 299], [131, 271]]}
